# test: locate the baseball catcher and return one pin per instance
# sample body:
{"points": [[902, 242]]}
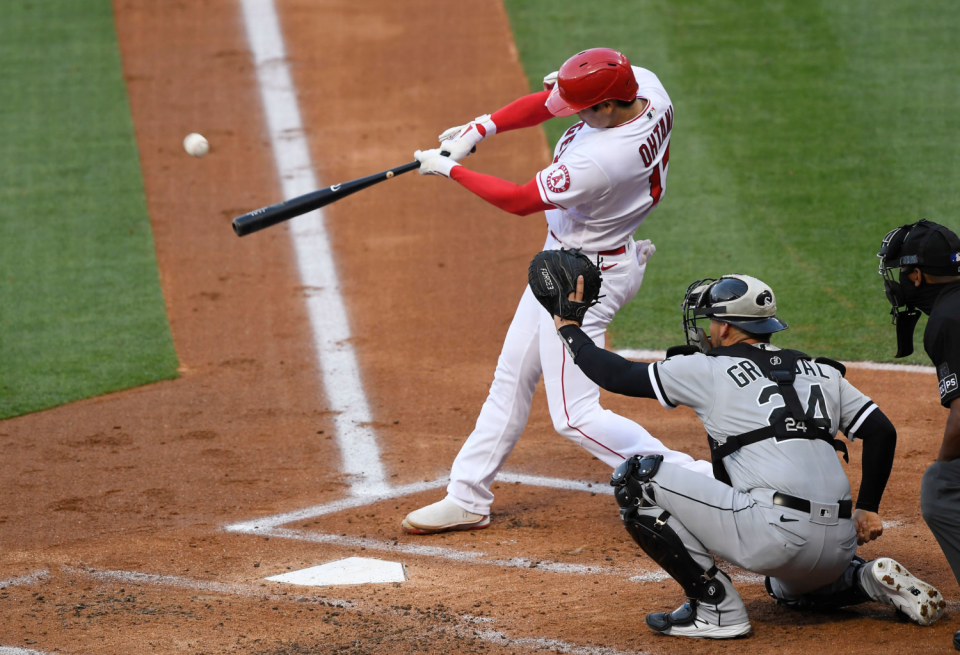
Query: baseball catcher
{"points": [[780, 505]]}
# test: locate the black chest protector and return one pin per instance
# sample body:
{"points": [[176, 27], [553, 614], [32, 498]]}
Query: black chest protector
{"points": [[794, 421]]}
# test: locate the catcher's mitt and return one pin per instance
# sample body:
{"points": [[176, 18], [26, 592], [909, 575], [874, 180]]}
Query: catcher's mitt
{"points": [[553, 276]]}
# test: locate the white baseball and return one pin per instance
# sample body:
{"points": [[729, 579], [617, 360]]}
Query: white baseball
{"points": [[196, 145]]}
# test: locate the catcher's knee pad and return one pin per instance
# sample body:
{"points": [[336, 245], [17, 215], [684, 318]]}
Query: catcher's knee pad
{"points": [[629, 478], [666, 548]]}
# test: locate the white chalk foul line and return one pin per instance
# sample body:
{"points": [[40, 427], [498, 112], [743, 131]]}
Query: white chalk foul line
{"points": [[11, 650], [27, 579], [659, 355], [315, 258]]}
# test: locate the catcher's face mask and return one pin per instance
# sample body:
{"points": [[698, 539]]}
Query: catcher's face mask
{"points": [[692, 299], [739, 300], [925, 245]]}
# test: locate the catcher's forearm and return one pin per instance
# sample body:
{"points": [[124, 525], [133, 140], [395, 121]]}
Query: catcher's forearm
{"points": [[879, 439], [608, 370]]}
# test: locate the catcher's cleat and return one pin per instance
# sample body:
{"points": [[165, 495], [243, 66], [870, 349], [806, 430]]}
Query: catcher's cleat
{"points": [[443, 516], [684, 622], [920, 602]]}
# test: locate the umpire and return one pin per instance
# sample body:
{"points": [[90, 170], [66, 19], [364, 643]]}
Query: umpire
{"points": [[920, 264]]}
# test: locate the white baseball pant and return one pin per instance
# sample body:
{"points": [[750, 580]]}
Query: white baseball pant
{"points": [[532, 348]]}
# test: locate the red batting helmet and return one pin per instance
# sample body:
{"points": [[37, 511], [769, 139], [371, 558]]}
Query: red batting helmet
{"points": [[590, 77]]}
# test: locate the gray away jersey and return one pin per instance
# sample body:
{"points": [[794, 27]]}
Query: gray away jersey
{"points": [[731, 397]]}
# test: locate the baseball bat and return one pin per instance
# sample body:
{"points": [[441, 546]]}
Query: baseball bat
{"points": [[264, 217]]}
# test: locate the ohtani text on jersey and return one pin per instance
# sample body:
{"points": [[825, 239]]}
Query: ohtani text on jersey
{"points": [[746, 372], [649, 150]]}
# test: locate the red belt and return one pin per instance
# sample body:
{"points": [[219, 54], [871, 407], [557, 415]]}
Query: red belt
{"points": [[602, 253]]}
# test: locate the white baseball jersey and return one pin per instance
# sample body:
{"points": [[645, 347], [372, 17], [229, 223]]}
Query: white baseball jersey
{"points": [[605, 181], [732, 397]]}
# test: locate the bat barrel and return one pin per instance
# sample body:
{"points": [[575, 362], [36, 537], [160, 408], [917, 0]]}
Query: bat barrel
{"points": [[265, 217]]}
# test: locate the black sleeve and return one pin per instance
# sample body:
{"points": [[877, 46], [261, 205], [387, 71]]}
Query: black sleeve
{"points": [[945, 354], [609, 370], [879, 439]]}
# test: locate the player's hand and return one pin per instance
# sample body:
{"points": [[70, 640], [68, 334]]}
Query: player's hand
{"points": [[868, 525], [460, 141], [576, 296], [433, 163], [645, 250], [550, 81]]}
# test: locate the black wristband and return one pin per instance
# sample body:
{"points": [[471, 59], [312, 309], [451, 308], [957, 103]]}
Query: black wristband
{"points": [[574, 338]]}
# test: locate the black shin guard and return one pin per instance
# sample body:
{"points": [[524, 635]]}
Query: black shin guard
{"points": [[664, 546], [654, 536]]}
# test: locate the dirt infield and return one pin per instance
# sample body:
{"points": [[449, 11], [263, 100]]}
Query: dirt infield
{"points": [[114, 509]]}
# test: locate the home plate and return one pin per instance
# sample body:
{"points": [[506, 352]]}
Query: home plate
{"points": [[353, 570]]}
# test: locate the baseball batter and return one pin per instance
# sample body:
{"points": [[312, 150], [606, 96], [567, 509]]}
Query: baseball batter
{"points": [[608, 173], [772, 416]]}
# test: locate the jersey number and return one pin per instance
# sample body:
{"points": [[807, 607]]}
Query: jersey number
{"points": [[816, 403], [656, 185]]}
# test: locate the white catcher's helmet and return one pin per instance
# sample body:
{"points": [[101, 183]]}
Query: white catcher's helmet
{"points": [[740, 300]]}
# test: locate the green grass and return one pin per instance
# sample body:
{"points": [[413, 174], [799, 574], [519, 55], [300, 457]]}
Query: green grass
{"points": [[81, 312], [803, 133]]}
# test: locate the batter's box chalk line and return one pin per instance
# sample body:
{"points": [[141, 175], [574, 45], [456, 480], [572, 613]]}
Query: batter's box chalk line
{"points": [[27, 579], [272, 526]]}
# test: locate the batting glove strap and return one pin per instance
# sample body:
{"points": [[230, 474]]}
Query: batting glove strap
{"points": [[550, 81], [489, 128], [433, 163], [460, 142]]}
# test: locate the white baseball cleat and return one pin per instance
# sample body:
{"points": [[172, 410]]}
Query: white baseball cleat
{"points": [[684, 622], [912, 596], [443, 516]]}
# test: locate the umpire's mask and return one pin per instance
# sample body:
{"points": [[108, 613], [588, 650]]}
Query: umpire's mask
{"points": [[740, 300], [933, 249]]}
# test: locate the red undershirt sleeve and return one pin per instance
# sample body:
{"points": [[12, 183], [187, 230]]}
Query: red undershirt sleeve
{"points": [[514, 198], [528, 111]]}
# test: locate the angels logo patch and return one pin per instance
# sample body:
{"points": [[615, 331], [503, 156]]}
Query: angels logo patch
{"points": [[558, 179]]}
